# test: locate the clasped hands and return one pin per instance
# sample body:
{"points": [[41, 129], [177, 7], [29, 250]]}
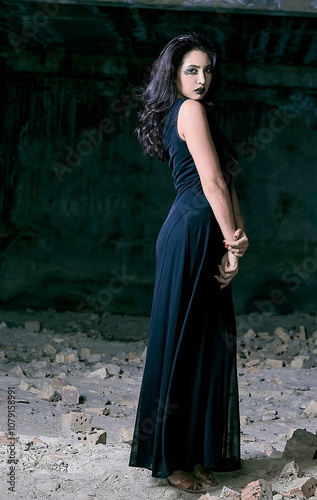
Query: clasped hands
{"points": [[229, 265]]}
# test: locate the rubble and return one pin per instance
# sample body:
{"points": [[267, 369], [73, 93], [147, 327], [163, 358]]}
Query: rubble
{"points": [[257, 490], [301, 446], [290, 470], [311, 410], [303, 487], [81, 390]]}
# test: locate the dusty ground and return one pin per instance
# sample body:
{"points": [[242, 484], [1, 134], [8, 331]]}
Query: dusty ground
{"points": [[56, 466]]}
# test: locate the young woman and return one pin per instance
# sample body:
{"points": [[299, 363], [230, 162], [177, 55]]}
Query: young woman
{"points": [[187, 422]]}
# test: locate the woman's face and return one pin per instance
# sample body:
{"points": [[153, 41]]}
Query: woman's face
{"points": [[194, 75]]}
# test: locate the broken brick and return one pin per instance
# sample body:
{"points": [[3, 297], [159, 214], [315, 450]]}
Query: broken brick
{"points": [[16, 372], [70, 395], [311, 410], [301, 446], [230, 494], [49, 350], [96, 436], [76, 422], [301, 362], [32, 326], [257, 490], [304, 486], [290, 470], [124, 435], [101, 373], [282, 334], [274, 363]]}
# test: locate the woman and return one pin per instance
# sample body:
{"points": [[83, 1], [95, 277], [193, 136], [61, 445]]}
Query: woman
{"points": [[187, 422]]}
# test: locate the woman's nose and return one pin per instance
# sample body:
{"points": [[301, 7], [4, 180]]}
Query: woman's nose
{"points": [[201, 78]]}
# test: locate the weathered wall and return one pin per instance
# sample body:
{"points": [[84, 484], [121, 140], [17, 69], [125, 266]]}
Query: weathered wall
{"points": [[81, 206]]}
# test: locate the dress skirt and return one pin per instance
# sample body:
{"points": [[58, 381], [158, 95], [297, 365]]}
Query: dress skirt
{"points": [[188, 410]]}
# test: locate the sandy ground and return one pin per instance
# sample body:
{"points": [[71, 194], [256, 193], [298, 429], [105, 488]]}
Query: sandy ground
{"points": [[57, 466]]}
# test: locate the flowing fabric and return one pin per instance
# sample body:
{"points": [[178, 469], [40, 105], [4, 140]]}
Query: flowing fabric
{"points": [[188, 410]]}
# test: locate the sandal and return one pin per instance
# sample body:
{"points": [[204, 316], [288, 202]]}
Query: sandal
{"points": [[185, 481], [204, 475]]}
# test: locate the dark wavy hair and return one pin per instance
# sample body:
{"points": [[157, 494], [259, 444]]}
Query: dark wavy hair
{"points": [[159, 93]]}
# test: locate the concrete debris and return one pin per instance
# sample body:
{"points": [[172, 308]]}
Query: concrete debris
{"points": [[47, 391], [230, 494], [245, 420], [290, 470], [124, 435], [49, 350], [67, 356], [101, 374], [24, 385], [207, 496], [303, 487], [76, 422], [16, 372], [96, 436], [257, 490], [32, 326], [70, 395], [301, 362], [301, 446], [311, 410], [282, 334]]}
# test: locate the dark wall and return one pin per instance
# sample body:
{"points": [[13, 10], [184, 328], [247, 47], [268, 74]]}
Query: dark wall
{"points": [[81, 206]]}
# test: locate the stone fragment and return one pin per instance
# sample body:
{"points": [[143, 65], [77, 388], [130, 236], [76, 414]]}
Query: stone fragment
{"points": [[70, 395], [257, 490], [282, 334], [277, 497], [311, 410], [290, 470], [245, 420], [250, 334], [66, 356], [113, 370], [47, 392], [101, 374], [96, 436], [304, 486], [76, 422], [143, 355], [49, 350], [301, 362], [274, 363], [264, 336], [32, 326], [85, 353], [124, 435], [3, 325], [16, 372], [230, 494], [24, 385], [94, 358], [207, 496], [301, 335], [301, 446]]}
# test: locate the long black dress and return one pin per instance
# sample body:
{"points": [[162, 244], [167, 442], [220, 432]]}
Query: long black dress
{"points": [[188, 410]]}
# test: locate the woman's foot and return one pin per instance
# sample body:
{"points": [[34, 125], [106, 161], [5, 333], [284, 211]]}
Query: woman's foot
{"points": [[185, 481], [204, 475]]}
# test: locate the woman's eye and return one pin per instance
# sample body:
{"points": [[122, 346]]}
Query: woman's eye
{"points": [[208, 70], [190, 71]]}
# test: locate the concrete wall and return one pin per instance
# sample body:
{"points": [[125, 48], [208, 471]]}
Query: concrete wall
{"points": [[81, 206]]}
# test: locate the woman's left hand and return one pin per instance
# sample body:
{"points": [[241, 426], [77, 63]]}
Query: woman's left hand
{"points": [[239, 244]]}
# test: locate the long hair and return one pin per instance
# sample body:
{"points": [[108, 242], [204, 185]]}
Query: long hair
{"points": [[160, 91]]}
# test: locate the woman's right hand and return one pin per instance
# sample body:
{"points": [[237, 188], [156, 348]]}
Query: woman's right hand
{"points": [[227, 269]]}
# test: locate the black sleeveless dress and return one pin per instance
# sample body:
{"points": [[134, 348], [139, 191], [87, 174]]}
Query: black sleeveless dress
{"points": [[188, 410]]}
